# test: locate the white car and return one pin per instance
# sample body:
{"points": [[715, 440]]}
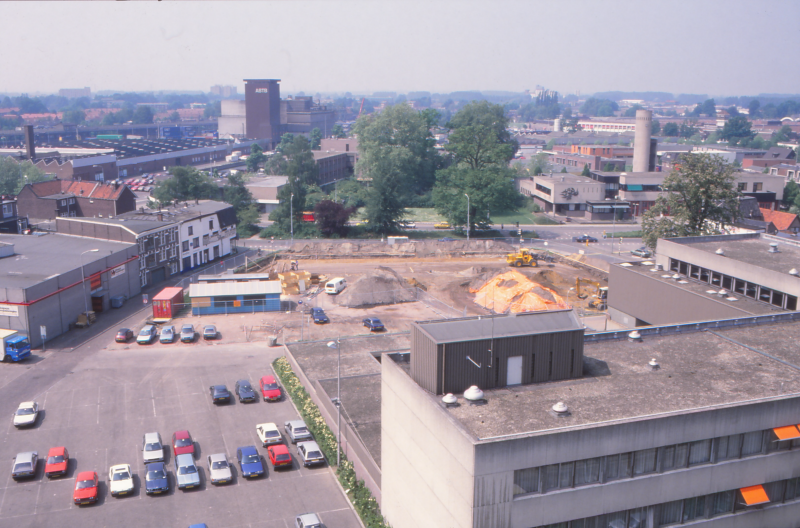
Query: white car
{"points": [[310, 453], [26, 414], [152, 448], [307, 520], [120, 480], [269, 434], [219, 471]]}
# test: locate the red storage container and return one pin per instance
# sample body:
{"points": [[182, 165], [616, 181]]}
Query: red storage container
{"points": [[167, 303]]}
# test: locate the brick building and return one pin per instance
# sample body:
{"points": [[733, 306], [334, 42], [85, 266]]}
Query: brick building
{"points": [[59, 198]]}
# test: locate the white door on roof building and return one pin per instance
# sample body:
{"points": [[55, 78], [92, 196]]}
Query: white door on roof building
{"points": [[514, 371]]}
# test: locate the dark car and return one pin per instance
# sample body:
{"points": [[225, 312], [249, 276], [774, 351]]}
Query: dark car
{"points": [[318, 314], [374, 324], [244, 391], [585, 238], [155, 478], [124, 335], [220, 394], [250, 461]]}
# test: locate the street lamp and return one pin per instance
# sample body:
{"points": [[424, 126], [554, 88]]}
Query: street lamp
{"points": [[83, 281], [465, 194], [336, 345], [614, 222], [291, 214]]}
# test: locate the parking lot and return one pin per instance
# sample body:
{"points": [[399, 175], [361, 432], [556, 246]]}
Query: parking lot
{"points": [[100, 408]]}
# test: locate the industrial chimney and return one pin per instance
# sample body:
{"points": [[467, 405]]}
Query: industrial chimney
{"points": [[641, 141], [30, 144]]}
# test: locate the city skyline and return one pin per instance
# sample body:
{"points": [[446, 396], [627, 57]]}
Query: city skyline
{"points": [[442, 47]]}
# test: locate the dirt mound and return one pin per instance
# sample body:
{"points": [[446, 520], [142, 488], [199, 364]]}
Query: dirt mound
{"points": [[382, 286], [511, 291], [418, 248]]}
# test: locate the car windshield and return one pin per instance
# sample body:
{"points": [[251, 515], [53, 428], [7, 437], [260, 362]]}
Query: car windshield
{"points": [[166, 331], [251, 459], [282, 457], [210, 329], [22, 466], [270, 386], [187, 470], [220, 389], [183, 442], [300, 430], [55, 459], [145, 331], [245, 388], [221, 464], [122, 475], [314, 454], [271, 433], [152, 447], [187, 329], [27, 410], [154, 475], [84, 484]]}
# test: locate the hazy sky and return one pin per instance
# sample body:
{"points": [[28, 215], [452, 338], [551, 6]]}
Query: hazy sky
{"points": [[724, 47]]}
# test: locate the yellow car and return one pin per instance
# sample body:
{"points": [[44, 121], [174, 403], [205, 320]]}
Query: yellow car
{"points": [[363, 223], [442, 225]]}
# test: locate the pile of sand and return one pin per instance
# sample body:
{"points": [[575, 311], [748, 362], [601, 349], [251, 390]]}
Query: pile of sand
{"points": [[382, 286], [511, 291]]}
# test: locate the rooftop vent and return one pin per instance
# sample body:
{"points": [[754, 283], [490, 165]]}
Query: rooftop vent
{"points": [[474, 395], [560, 410], [449, 400], [723, 292], [773, 247], [676, 276], [719, 252], [635, 336], [653, 364], [794, 272]]}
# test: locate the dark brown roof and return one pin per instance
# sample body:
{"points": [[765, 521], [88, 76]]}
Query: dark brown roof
{"points": [[94, 190]]}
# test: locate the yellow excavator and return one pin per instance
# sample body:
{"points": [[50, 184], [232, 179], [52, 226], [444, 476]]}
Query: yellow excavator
{"points": [[524, 257], [600, 301]]}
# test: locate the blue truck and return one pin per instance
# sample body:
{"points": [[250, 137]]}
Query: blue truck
{"points": [[16, 346]]}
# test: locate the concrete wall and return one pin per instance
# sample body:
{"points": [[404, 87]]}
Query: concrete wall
{"points": [[496, 461], [427, 460]]}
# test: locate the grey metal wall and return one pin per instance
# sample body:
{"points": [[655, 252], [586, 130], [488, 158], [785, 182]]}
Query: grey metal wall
{"points": [[445, 368], [658, 303]]}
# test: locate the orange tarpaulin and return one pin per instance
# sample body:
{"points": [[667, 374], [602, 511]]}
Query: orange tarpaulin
{"points": [[513, 292], [754, 495], [787, 433]]}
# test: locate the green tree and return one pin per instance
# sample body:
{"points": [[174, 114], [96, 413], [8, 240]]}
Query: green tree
{"points": [[291, 204], [586, 171], [255, 157], [631, 112], [671, 129], [732, 111], [174, 117], [699, 199], [754, 107], [567, 112], [184, 184], [488, 188], [14, 175], [790, 193], [73, 117], [351, 193], [737, 130], [599, 107], [782, 135], [656, 127], [143, 115], [480, 137], [301, 162], [247, 220], [550, 144], [688, 130], [332, 217], [539, 164], [212, 110], [432, 117], [315, 138], [337, 131], [236, 193], [708, 108]]}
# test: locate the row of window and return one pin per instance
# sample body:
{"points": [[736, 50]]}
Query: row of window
{"points": [[757, 186], [646, 461], [732, 284], [687, 510], [542, 189]]}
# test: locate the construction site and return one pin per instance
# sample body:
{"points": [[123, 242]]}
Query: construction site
{"points": [[423, 280]]}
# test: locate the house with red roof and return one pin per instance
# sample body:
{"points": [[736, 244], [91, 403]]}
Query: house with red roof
{"points": [[785, 222], [62, 198]]}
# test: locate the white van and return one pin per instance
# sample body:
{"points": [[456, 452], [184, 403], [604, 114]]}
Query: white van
{"points": [[334, 286]]}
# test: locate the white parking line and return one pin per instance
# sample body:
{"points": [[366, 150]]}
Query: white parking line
{"points": [[153, 398]]}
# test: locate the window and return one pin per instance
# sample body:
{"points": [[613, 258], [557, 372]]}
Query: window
{"points": [[205, 240], [751, 290], [550, 477], [722, 503], [674, 265], [71, 201], [618, 466], [644, 461], [526, 481], [699, 452], [196, 242], [185, 246], [764, 295], [704, 275], [738, 286], [211, 224], [716, 279], [684, 268], [694, 272], [757, 187], [729, 447], [751, 443], [191, 230], [777, 298], [63, 203], [587, 471], [727, 282], [173, 268], [674, 457], [8, 210], [791, 302], [743, 186], [694, 508], [670, 513], [143, 278]]}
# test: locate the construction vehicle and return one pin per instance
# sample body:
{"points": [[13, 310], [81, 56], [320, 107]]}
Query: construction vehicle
{"points": [[15, 345], [524, 257], [600, 301]]}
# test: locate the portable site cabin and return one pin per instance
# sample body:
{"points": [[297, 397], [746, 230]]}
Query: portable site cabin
{"points": [[167, 304], [235, 297]]}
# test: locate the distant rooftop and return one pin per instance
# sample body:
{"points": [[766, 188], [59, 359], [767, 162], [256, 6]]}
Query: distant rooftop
{"points": [[753, 251], [697, 371], [38, 258], [135, 226], [522, 324], [184, 212]]}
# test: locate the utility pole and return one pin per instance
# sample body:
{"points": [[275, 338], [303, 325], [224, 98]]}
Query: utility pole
{"points": [[468, 226]]}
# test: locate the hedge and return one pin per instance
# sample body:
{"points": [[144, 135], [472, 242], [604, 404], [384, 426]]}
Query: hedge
{"points": [[360, 496]]}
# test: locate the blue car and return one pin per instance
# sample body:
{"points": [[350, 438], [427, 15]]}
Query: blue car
{"points": [[155, 478], [318, 314], [374, 324], [250, 462]]}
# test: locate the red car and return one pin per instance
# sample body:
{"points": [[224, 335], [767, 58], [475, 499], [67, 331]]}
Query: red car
{"points": [[182, 443], [279, 456], [57, 462], [85, 488], [124, 335], [270, 388]]}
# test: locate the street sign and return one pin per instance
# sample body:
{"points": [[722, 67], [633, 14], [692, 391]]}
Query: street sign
{"points": [[144, 298], [43, 332]]}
